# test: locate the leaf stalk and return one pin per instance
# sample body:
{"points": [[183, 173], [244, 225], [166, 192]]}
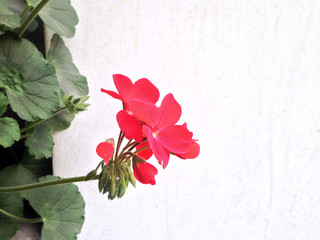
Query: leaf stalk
{"points": [[31, 17]]}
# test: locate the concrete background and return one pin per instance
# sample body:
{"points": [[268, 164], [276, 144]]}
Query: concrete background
{"points": [[246, 74]]}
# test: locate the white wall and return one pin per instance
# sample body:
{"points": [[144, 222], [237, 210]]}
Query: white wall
{"points": [[247, 74]]}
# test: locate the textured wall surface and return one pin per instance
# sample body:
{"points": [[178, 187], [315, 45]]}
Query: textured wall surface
{"points": [[247, 74]]}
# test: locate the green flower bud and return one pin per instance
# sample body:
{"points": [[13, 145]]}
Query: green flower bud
{"points": [[106, 186], [132, 179], [91, 175], [122, 188], [76, 101], [112, 190]]}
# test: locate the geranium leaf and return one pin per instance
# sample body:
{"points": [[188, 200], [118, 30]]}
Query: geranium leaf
{"points": [[9, 131], [70, 80], [18, 6], [25, 172], [61, 121], [7, 17], [40, 142], [29, 80], [11, 203], [61, 207], [59, 16], [3, 103]]}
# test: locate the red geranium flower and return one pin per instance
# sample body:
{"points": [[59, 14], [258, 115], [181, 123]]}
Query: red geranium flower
{"points": [[194, 149], [160, 129], [142, 89], [105, 151], [146, 153], [145, 173]]}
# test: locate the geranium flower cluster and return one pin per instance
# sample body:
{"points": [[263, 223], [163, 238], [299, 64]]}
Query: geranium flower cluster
{"points": [[150, 130]]}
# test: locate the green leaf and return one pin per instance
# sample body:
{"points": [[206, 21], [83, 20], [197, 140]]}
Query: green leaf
{"points": [[59, 16], [7, 17], [25, 172], [11, 203], [9, 131], [61, 207], [41, 143], [70, 80], [61, 121], [18, 6], [29, 80], [3, 103]]}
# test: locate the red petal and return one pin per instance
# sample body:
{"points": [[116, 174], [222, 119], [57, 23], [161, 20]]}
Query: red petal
{"points": [[144, 173], [145, 90], [145, 111], [129, 125], [193, 152], [146, 153], [169, 113], [105, 151], [112, 94], [176, 139], [123, 85], [159, 152]]}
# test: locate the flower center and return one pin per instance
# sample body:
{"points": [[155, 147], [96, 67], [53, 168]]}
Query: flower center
{"points": [[130, 112], [155, 134]]}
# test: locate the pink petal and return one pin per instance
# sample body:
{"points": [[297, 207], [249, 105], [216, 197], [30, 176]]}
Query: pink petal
{"points": [[129, 125], [146, 153], [192, 153], [169, 112], [147, 112], [144, 173], [176, 139], [159, 152], [112, 94], [123, 85], [105, 151], [143, 89]]}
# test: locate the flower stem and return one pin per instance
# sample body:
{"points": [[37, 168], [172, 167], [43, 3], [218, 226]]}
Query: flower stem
{"points": [[31, 17], [20, 219], [141, 149], [45, 184], [39, 121], [120, 139]]}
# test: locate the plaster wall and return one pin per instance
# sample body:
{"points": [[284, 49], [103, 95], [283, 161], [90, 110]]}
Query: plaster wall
{"points": [[246, 74]]}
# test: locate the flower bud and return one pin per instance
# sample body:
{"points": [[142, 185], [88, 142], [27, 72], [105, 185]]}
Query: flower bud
{"points": [[112, 189], [111, 140], [122, 188], [132, 179], [91, 175]]}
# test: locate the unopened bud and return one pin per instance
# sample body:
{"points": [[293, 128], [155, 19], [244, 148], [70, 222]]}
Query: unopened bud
{"points": [[91, 175], [136, 160], [132, 179], [122, 188], [112, 189], [111, 140], [76, 101]]}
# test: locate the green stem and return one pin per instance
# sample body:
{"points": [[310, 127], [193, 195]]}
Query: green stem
{"points": [[120, 139], [25, 135], [25, 11], [31, 17], [45, 184], [20, 219], [125, 154], [141, 149], [37, 122]]}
